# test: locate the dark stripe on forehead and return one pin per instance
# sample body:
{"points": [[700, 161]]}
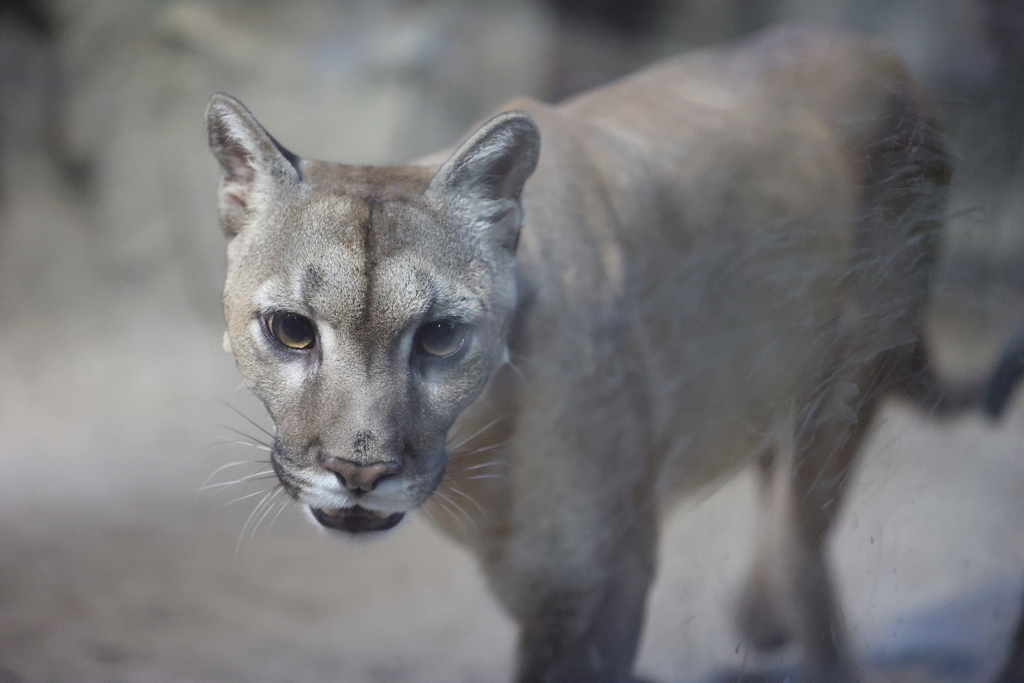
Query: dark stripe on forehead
{"points": [[369, 257], [312, 281]]}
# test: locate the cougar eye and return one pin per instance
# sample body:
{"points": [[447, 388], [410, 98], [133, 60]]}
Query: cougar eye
{"points": [[442, 338], [292, 330]]}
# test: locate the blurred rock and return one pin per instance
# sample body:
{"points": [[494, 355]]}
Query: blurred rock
{"points": [[359, 82]]}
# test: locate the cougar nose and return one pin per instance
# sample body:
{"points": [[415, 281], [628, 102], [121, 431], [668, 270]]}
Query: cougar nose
{"points": [[356, 477]]}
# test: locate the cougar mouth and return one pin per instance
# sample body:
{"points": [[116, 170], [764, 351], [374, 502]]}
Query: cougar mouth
{"points": [[356, 520]]}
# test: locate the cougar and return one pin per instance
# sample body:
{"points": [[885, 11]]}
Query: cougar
{"points": [[588, 310]]}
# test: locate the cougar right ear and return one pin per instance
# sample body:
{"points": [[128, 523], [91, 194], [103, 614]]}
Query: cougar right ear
{"points": [[251, 160], [488, 171]]}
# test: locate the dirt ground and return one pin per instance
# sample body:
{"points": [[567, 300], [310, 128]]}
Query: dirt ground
{"points": [[117, 406]]}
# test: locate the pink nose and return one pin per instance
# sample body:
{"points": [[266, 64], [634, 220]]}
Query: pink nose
{"points": [[356, 477]]}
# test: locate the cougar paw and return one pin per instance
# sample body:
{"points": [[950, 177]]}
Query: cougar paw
{"points": [[761, 619]]}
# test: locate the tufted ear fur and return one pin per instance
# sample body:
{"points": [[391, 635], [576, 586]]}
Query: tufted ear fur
{"points": [[485, 176], [251, 160]]}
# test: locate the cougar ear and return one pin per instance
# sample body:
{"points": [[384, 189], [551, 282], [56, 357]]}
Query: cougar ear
{"points": [[251, 160], [486, 174]]}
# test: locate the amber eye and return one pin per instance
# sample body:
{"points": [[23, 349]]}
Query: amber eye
{"points": [[442, 338], [294, 331]]}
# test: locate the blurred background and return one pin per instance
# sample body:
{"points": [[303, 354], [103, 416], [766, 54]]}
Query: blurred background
{"points": [[117, 405]]}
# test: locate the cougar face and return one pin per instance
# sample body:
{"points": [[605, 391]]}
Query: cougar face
{"points": [[366, 308]]}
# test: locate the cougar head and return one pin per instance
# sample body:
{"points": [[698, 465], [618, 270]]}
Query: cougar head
{"points": [[367, 306]]}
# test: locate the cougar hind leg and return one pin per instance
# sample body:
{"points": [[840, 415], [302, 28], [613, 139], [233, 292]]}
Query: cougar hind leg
{"points": [[822, 462], [764, 615], [905, 174], [789, 594]]}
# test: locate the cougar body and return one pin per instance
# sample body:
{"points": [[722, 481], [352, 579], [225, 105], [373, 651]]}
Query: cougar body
{"points": [[585, 311]]}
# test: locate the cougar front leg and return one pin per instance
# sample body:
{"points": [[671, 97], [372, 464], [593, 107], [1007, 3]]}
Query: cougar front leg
{"points": [[579, 601]]}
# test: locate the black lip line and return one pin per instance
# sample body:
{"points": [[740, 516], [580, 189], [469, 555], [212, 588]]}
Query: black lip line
{"points": [[359, 520]]}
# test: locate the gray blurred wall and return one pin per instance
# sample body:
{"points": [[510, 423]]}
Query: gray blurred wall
{"points": [[106, 105]]}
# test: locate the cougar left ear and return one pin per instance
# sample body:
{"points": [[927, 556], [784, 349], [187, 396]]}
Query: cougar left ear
{"points": [[487, 173], [251, 160]]}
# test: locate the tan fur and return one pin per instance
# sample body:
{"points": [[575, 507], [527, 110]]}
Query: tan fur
{"points": [[724, 258]]}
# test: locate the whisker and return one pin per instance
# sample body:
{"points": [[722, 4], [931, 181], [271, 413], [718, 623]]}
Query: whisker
{"points": [[255, 444], [465, 495], [478, 432], [492, 463], [259, 506], [440, 502], [429, 514], [250, 437], [462, 454], [266, 511], [456, 506], [248, 495], [459, 473], [230, 464], [223, 442], [247, 419], [255, 511], [262, 475], [515, 368], [280, 509]]}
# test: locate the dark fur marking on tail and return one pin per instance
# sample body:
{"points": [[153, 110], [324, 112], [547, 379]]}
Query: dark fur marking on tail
{"points": [[1006, 376], [917, 381]]}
